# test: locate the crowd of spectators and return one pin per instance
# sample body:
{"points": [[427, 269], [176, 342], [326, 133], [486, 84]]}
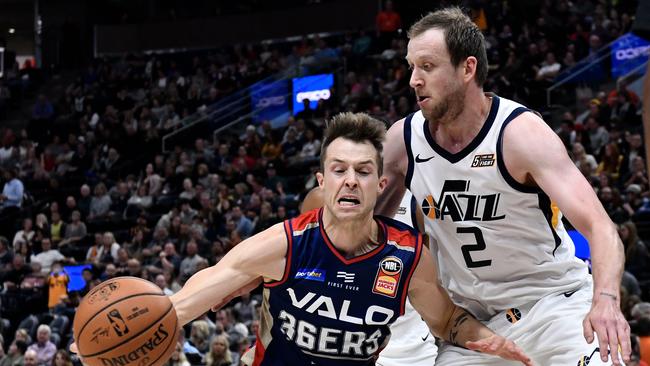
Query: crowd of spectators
{"points": [[86, 181]]}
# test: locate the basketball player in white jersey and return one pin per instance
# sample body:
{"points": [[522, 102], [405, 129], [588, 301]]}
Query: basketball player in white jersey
{"points": [[411, 343], [493, 181]]}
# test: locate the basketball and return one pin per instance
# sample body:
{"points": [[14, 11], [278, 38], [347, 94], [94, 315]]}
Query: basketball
{"points": [[125, 321]]}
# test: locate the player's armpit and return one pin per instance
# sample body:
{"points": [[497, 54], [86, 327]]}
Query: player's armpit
{"points": [[262, 255]]}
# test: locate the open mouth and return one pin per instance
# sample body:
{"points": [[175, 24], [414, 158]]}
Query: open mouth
{"points": [[422, 98], [348, 201]]}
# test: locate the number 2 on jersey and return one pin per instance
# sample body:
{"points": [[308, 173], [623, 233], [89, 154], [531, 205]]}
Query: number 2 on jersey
{"points": [[468, 248]]}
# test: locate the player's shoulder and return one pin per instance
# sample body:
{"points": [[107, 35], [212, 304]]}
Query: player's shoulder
{"points": [[400, 232], [305, 221]]}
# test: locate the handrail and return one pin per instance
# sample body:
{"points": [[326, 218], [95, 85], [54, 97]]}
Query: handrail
{"points": [[584, 64], [224, 104]]}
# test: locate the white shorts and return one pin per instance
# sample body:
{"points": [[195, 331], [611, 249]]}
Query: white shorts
{"points": [[549, 331], [410, 342]]}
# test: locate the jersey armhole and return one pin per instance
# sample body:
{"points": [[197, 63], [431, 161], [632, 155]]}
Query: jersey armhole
{"points": [[416, 261], [512, 182], [409, 153], [288, 232]]}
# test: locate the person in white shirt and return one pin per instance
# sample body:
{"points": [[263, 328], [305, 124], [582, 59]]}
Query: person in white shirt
{"points": [[26, 234], [48, 256]]}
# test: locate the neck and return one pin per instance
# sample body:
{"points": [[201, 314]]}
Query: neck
{"points": [[457, 134], [351, 237]]}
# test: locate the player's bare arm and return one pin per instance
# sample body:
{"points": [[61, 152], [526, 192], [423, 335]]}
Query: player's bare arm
{"points": [[543, 161], [262, 255], [395, 166], [452, 323]]}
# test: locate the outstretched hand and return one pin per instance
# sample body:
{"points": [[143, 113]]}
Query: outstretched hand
{"points": [[605, 318], [499, 346]]}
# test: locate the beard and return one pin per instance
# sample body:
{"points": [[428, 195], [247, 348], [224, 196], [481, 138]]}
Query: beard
{"points": [[448, 108]]}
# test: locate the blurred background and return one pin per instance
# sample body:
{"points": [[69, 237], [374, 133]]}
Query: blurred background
{"points": [[148, 138]]}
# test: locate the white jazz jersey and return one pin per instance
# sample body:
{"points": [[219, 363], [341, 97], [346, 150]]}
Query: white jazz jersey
{"points": [[410, 342], [500, 243]]}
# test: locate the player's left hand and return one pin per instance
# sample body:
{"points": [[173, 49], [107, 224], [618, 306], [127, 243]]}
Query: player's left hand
{"points": [[605, 318], [500, 346]]}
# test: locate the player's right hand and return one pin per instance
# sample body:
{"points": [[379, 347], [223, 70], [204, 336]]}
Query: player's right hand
{"points": [[500, 346], [73, 348]]}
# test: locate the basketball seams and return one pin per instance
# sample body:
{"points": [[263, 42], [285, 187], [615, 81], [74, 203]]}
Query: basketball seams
{"points": [[173, 341], [104, 308], [171, 307]]}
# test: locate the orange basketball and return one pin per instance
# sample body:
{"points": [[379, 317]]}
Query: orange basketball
{"points": [[125, 321]]}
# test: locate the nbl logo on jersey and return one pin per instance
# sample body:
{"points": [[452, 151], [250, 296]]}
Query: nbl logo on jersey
{"points": [[456, 203], [388, 275]]}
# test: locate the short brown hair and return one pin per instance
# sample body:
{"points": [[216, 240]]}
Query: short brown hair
{"points": [[356, 127], [462, 36]]}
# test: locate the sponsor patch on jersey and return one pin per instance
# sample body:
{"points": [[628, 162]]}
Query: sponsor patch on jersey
{"points": [[388, 275], [313, 274], [483, 160]]}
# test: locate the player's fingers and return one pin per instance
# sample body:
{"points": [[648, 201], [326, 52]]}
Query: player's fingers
{"points": [[603, 342], [613, 345], [474, 346], [516, 353], [73, 348], [588, 330], [624, 340]]}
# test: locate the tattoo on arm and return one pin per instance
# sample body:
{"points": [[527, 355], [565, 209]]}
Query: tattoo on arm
{"points": [[602, 293], [453, 332]]}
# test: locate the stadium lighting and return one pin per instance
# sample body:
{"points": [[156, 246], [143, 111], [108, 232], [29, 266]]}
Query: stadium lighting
{"points": [[12, 30]]}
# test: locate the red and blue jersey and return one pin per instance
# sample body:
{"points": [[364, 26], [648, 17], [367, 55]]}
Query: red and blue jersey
{"points": [[330, 310]]}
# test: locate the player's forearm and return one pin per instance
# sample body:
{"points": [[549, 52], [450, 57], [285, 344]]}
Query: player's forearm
{"points": [[607, 260], [203, 290], [463, 327]]}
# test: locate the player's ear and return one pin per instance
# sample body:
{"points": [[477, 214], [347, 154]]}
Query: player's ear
{"points": [[319, 178], [471, 64], [383, 181]]}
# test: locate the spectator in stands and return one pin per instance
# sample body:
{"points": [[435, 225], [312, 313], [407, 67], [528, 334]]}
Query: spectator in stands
{"points": [[198, 341], [637, 258], [637, 174], [42, 227], [585, 162], [242, 224], [85, 200], [219, 353], [62, 358], [14, 356], [75, 231], [47, 256], [100, 204], [610, 162], [58, 281], [14, 277], [177, 358], [57, 228], [6, 256], [633, 200], [189, 264], [12, 192], [25, 235], [388, 21], [598, 135], [31, 358], [246, 309], [107, 252], [43, 347]]}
